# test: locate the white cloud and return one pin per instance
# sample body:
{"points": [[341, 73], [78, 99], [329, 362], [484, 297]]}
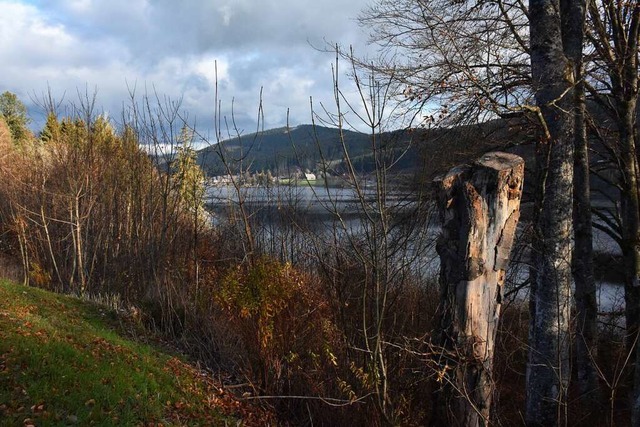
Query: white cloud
{"points": [[172, 46], [80, 6]]}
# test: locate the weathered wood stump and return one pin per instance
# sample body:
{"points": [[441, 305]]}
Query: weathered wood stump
{"points": [[479, 206]]}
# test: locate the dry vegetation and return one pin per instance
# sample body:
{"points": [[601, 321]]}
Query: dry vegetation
{"points": [[335, 332], [86, 212]]}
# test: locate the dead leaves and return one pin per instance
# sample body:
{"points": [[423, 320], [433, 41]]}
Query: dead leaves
{"points": [[213, 397], [37, 408]]}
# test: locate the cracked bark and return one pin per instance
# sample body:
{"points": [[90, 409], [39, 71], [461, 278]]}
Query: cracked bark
{"points": [[479, 207]]}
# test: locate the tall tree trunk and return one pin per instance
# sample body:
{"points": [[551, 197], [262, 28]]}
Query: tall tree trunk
{"points": [[615, 33], [631, 242], [479, 207], [586, 339], [630, 215], [553, 79]]}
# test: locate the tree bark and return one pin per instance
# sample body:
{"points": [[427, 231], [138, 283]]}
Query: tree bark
{"points": [[550, 299], [586, 338], [480, 207], [630, 215], [615, 33], [631, 243]]}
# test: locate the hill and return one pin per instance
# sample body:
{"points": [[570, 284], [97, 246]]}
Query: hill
{"points": [[412, 151], [283, 149], [63, 362]]}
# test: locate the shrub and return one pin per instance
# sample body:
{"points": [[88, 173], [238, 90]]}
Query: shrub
{"points": [[291, 344]]}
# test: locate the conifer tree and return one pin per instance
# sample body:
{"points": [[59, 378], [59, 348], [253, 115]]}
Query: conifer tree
{"points": [[51, 130], [15, 115], [189, 176]]}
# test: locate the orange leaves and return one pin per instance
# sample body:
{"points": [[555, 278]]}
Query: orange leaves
{"points": [[284, 322], [101, 348], [32, 416]]}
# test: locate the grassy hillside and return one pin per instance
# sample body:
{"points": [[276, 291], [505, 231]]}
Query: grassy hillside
{"points": [[62, 362]]}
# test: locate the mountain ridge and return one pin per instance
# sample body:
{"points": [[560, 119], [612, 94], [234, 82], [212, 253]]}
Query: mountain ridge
{"points": [[284, 149], [314, 148]]}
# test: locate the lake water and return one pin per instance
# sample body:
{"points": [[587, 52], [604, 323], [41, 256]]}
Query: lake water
{"points": [[311, 200], [287, 220]]}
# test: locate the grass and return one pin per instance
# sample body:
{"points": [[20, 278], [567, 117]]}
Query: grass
{"points": [[63, 363]]}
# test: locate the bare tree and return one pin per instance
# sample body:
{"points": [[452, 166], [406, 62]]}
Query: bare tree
{"points": [[472, 60], [553, 25], [613, 35], [574, 16], [468, 61], [378, 246]]}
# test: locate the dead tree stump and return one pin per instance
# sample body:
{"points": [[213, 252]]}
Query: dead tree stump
{"points": [[479, 206]]}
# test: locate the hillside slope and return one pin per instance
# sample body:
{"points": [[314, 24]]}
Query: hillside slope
{"points": [[62, 362], [282, 149]]}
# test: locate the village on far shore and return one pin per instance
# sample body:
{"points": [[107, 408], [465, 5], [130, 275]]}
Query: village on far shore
{"points": [[268, 179]]}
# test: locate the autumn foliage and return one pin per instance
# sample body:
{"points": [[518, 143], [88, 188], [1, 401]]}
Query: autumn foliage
{"points": [[336, 334]]}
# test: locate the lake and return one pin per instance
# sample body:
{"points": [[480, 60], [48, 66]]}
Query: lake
{"points": [[294, 221]]}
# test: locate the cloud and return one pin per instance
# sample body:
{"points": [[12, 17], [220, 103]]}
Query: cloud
{"points": [[171, 47]]}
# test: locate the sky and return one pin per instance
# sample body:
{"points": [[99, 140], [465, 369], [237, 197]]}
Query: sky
{"points": [[169, 47]]}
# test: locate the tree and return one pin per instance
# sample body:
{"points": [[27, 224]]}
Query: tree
{"points": [[189, 176], [51, 130], [586, 338], [554, 27], [468, 60], [191, 190], [15, 114], [614, 33], [471, 59]]}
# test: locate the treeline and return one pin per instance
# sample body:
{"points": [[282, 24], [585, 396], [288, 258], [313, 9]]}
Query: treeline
{"points": [[88, 212]]}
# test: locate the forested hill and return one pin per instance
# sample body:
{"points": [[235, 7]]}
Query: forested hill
{"points": [[283, 150]]}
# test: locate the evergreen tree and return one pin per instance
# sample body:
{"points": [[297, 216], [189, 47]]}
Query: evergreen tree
{"points": [[189, 176], [51, 130], [15, 115]]}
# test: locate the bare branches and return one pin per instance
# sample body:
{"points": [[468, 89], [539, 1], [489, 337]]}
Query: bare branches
{"points": [[465, 61]]}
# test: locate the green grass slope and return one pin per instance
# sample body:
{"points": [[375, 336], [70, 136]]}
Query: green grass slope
{"points": [[63, 363]]}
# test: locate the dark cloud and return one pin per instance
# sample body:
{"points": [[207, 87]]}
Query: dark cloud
{"points": [[171, 47]]}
